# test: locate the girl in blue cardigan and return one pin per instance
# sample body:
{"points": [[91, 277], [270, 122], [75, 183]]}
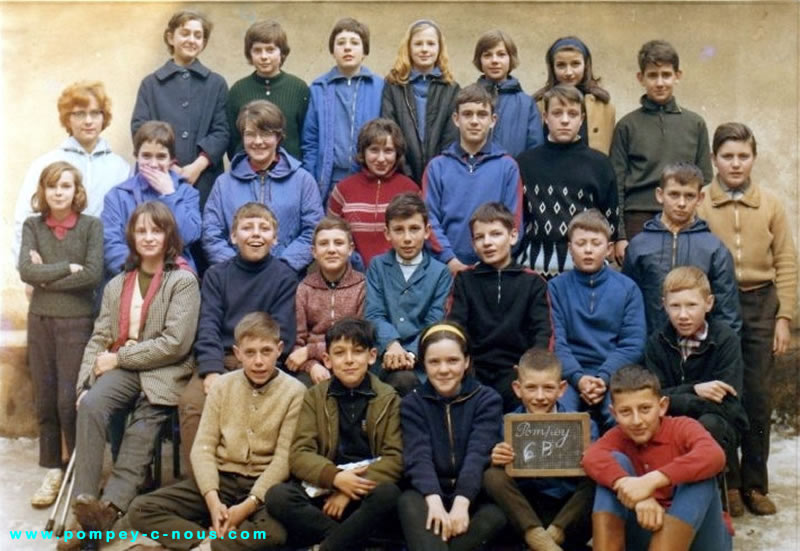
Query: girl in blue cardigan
{"points": [[449, 427]]}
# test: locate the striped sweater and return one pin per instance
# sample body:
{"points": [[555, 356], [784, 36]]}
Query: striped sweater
{"points": [[361, 199]]}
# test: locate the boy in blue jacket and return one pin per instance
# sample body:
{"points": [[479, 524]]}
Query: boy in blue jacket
{"points": [[598, 318], [342, 101], [562, 504], [466, 175], [264, 173], [406, 291], [677, 237], [253, 280], [154, 149]]}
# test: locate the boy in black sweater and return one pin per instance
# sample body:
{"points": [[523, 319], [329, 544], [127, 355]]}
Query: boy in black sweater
{"points": [[562, 177], [503, 305], [698, 362], [253, 280]]}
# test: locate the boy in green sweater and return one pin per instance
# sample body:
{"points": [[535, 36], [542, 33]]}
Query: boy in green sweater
{"points": [[266, 49], [241, 451], [657, 134]]}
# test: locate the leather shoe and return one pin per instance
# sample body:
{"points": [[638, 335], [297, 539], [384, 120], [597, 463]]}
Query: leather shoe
{"points": [[758, 503], [94, 514], [735, 503]]}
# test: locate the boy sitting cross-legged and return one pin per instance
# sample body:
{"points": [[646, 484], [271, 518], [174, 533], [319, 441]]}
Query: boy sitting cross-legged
{"points": [[698, 362], [241, 451], [503, 305], [254, 279], [598, 318], [351, 417], [530, 503], [406, 291], [655, 475]]}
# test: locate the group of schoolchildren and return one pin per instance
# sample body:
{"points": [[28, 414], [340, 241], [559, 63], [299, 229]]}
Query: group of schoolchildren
{"points": [[353, 369]]}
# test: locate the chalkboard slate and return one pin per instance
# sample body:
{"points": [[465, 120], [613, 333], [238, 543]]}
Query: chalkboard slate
{"points": [[549, 444]]}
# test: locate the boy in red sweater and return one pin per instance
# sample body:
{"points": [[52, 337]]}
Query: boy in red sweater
{"points": [[655, 474]]}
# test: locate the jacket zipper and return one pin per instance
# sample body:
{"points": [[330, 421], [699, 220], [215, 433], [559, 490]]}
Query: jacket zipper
{"points": [[674, 248], [450, 434], [591, 296], [377, 200], [499, 286]]}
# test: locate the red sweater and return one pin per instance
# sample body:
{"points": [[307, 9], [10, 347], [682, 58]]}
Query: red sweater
{"points": [[318, 307], [361, 199], [681, 449]]}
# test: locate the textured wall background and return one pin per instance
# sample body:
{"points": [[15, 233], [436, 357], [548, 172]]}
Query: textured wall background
{"points": [[740, 62]]}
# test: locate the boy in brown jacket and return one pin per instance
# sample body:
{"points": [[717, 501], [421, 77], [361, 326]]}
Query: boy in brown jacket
{"points": [[350, 418]]}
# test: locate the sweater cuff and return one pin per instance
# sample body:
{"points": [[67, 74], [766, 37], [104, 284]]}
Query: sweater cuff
{"points": [[210, 366], [327, 475], [575, 378]]}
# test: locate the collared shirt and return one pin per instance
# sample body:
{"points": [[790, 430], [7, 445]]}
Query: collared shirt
{"points": [[408, 267], [734, 193], [689, 344]]}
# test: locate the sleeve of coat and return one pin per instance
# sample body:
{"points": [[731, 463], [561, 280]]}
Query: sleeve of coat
{"points": [[115, 219], [432, 194], [92, 273], [389, 468], [309, 141], [216, 233], [215, 142], [619, 162], [631, 337], [142, 109], [37, 274], [535, 134], [482, 438], [185, 206], [571, 368], [725, 289], [376, 310], [297, 253], [703, 159]]}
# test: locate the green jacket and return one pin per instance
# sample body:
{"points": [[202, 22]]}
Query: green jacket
{"points": [[316, 438]]}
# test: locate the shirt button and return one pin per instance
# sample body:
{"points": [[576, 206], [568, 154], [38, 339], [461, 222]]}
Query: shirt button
{"points": [[185, 134], [185, 75], [402, 319], [185, 104]]}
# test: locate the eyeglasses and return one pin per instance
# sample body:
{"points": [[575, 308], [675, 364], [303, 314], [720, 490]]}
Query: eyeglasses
{"points": [[250, 135], [83, 115]]}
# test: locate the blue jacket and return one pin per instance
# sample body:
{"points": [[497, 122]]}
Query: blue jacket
{"points": [[456, 183], [319, 126], [598, 321], [120, 202], [519, 124], [654, 252], [288, 190], [400, 309], [447, 442]]}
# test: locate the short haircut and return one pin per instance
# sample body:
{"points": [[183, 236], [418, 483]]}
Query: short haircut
{"points": [[489, 40], [163, 219], [658, 52], [332, 222], [492, 212], [474, 93], [632, 378], [404, 206], [566, 93], [266, 32], [538, 360], [589, 220], [254, 210], [264, 115], [685, 278], [684, 173], [356, 330], [443, 330], [733, 132], [157, 132], [257, 325], [50, 175], [352, 25], [376, 131], [78, 95], [183, 16]]}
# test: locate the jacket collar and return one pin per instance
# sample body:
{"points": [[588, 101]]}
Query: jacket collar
{"points": [[670, 336], [719, 197], [72, 145], [336, 388], [483, 268], [656, 225], [265, 80], [489, 150], [171, 68], [433, 74], [334, 74], [286, 166], [670, 107], [509, 86], [593, 279], [351, 277], [469, 386]]}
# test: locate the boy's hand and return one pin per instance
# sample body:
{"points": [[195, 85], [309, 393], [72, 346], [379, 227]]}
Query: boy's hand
{"points": [[633, 489], [335, 505], [297, 358], [105, 361], [649, 514], [502, 454], [216, 511], [158, 179], [352, 484], [783, 335], [238, 514], [619, 250], [318, 373], [455, 266], [193, 170], [396, 357], [714, 390], [459, 516], [592, 389], [208, 381], [438, 520]]}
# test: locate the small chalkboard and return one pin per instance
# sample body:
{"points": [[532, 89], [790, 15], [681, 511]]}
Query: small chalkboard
{"points": [[549, 444]]}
